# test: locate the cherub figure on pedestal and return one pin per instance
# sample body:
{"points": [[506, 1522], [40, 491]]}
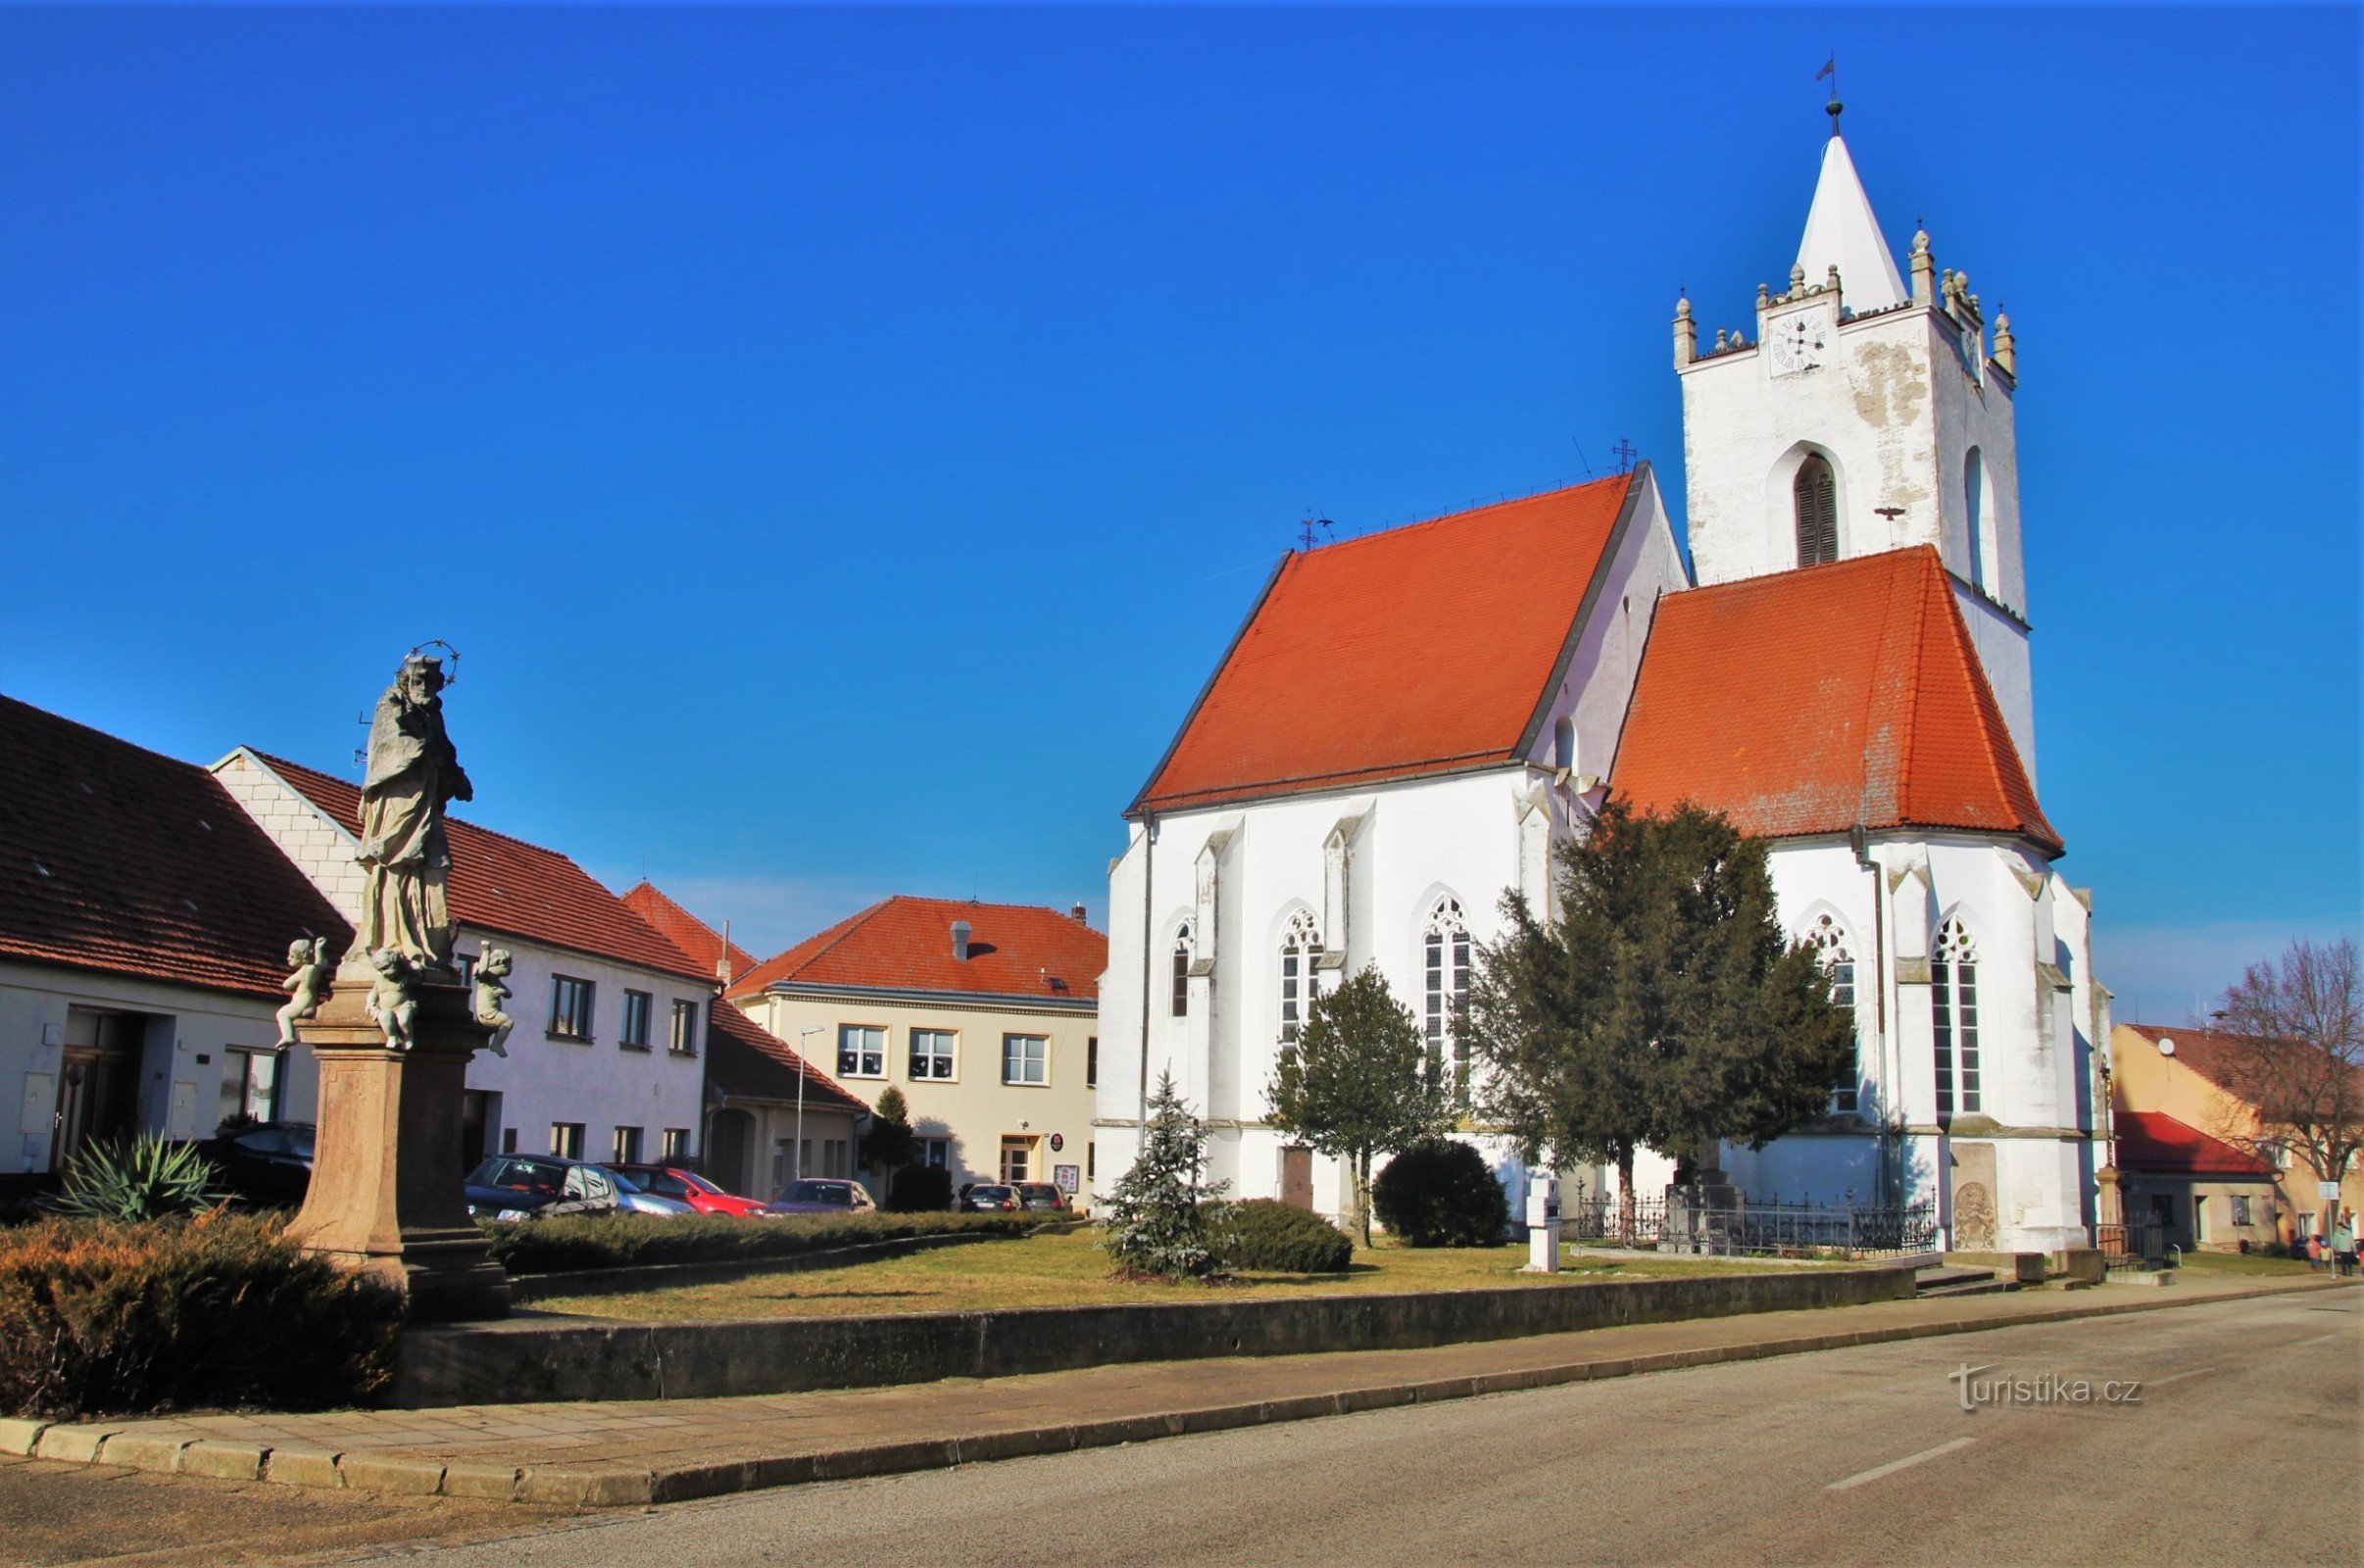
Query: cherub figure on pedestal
{"points": [[391, 1003], [308, 985], [492, 970]]}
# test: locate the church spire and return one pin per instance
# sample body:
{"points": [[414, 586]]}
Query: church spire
{"points": [[1842, 232]]}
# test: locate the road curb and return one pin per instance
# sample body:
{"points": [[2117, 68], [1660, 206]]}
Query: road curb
{"points": [[611, 1487]]}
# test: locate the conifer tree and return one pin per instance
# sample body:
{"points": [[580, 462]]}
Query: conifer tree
{"points": [[1664, 1008], [1162, 1218], [889, 1143], [1357, 1082]]}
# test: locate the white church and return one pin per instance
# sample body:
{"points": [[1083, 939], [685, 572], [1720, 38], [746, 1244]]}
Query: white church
{"points": [[1408, 722]]}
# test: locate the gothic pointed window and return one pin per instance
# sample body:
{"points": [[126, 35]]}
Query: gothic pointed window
{"points": [[1953, 1009], [1839, 963], [1300, 976], [1180, 1004], [1445, 952], [1816, 493]]}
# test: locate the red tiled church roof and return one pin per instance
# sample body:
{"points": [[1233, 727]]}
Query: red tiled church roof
{"points": [[2156, 1144], [700, 942], [1422, 650], [744, 1061], [518, 889], [1811, 700], [904, 944], [115, 858]]}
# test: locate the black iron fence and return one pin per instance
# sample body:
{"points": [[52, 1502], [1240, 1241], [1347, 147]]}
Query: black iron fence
{"points": [[1768, 1227]]}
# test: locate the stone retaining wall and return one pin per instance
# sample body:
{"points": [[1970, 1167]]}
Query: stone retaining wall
{"points": [[533, 1360]]}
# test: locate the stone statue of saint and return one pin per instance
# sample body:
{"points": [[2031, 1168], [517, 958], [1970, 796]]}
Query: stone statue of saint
{"points": [[404, 852]]}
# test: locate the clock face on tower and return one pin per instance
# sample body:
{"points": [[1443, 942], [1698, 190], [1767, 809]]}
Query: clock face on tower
{"points": [[1799, 340]]}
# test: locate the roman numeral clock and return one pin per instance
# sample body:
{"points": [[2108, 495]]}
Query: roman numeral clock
{"points": [[1799, 340]]}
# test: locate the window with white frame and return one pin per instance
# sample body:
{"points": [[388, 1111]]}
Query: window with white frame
{"points": [[861, 1050], [1025, 1059], [1838, 962], [1300, 976], [933, 1053], [1178, 1003], [251, 1087], [1445, 971], [936, 1153], [2240, 1209], [684, 1038], [1953, 1007]]}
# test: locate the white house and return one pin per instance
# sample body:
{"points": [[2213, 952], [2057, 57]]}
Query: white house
{"points": [[1409, 720], [607, 1058]]}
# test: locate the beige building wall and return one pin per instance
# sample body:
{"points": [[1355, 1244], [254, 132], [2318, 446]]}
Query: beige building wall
{"points": [[980, 1118]]}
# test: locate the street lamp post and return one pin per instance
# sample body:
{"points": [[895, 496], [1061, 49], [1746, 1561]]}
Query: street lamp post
{"points": [[796, 1159]]}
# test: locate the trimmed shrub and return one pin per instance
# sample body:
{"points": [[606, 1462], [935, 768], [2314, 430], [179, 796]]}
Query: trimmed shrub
{"points": [[567, 1243], [1281, 1239], [104, 1319], [1441, 1194], [919, 1190], [142, 1178]]}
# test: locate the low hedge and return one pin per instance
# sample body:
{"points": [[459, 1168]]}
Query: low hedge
{"points": [[1441, 1194], [1282, 1239], [100, 1318], [570, 1241]]}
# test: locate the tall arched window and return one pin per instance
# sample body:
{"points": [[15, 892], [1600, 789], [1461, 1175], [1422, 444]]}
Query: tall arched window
{"points": [[1839, 960], [1563, 745], [1953, 1004], [1180, 1002], [1445, 947], [1974, 492], [1816, 493], [1300, 958]]}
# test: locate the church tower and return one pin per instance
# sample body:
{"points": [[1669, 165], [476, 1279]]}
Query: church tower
{"points": [[1862, 415]]}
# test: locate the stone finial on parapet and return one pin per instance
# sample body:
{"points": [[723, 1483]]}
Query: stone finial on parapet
{"points": [[2006, 354], [1924, 269], [1686, 333]]}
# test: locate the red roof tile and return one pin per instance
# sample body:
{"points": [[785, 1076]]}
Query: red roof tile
{"points": [[904, 944], [2152, 1143], [1421, 650], [702, 943], [115, 858], [1808, 702], [745, 1062], [515, 888]]}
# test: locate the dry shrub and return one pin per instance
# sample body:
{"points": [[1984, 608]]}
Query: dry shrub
{"points": [[220, 1310]]}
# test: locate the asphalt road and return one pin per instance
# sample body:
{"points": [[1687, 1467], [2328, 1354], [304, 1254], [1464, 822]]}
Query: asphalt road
{"points": [[2241, 1445]]}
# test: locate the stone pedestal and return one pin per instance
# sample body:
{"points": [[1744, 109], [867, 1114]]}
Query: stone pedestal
{"points": [[1699, 1212], [386, 1196]]}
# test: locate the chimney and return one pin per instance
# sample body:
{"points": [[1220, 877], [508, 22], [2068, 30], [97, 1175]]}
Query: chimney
{"points": [[1077, 912], [960, 934]]}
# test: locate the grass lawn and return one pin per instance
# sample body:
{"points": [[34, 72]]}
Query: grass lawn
{"points": [[2246, 1264], [1070, 1271]]}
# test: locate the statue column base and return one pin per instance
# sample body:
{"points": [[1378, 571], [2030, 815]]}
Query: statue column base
{"points": [[386, 1198]]}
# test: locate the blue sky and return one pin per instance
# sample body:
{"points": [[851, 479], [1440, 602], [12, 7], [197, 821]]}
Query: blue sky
{"points": [[841, 442]]}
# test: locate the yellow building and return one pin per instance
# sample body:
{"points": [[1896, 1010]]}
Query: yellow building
{"points": [[985, 1015], [2193, 1077]]}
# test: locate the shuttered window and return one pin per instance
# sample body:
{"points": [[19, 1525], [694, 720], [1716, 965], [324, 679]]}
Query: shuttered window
{"points": [[1817, 495]]}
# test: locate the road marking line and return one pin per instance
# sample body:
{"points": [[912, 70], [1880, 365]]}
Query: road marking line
{"points": [[1905, 1463], [2177, 1377]]}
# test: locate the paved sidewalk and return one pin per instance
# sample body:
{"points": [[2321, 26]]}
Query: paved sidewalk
{"points": [[637, 1453]]}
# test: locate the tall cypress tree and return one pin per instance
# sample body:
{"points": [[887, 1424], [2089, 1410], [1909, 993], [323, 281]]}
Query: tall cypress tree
{"points": [[1664, 1008]]}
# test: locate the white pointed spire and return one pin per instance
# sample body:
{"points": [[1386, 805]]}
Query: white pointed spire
{"points": [[1841, 231]]}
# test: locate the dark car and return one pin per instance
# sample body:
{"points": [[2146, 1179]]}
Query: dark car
{"points": [[521, 1186], [269, 1163], [1041, 1197], [989, 1199], [823, 1197]]}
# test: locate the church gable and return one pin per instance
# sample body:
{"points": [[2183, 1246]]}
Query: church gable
{"points": [[1814, 700], [1428, 649]]}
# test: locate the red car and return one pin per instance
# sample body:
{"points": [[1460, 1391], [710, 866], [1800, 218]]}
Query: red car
{"points": [[688, 1187]]}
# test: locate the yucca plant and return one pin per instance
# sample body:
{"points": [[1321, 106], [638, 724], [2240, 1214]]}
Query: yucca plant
{"points": [[140, 1179]]}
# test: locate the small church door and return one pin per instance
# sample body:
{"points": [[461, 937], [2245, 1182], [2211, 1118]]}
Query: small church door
{"points": [[1297, 1178]]}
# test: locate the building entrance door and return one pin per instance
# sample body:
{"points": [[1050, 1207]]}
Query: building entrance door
{"points": [[98, 1082], [1018, 1159], [1297, 1178]]}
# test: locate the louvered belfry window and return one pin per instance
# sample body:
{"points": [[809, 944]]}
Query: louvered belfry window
{"points": [[1817, 494]]}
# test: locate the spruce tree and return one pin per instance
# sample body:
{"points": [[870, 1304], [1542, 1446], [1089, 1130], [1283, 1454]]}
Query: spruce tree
{"points": [[889, 1143], [1664, 1008], [1357, 1082], [1162, 1218]]}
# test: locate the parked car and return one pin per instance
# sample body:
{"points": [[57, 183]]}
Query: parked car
{"points": [[638, 1200], [269, 1163], [988, 1198], [532, 1185], [688, 1187], [823, 1197], [1041, 1197]]}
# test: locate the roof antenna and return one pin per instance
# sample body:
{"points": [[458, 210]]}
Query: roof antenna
{"points": [[1830, 68], [1624, 452], [1581, 458]]}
